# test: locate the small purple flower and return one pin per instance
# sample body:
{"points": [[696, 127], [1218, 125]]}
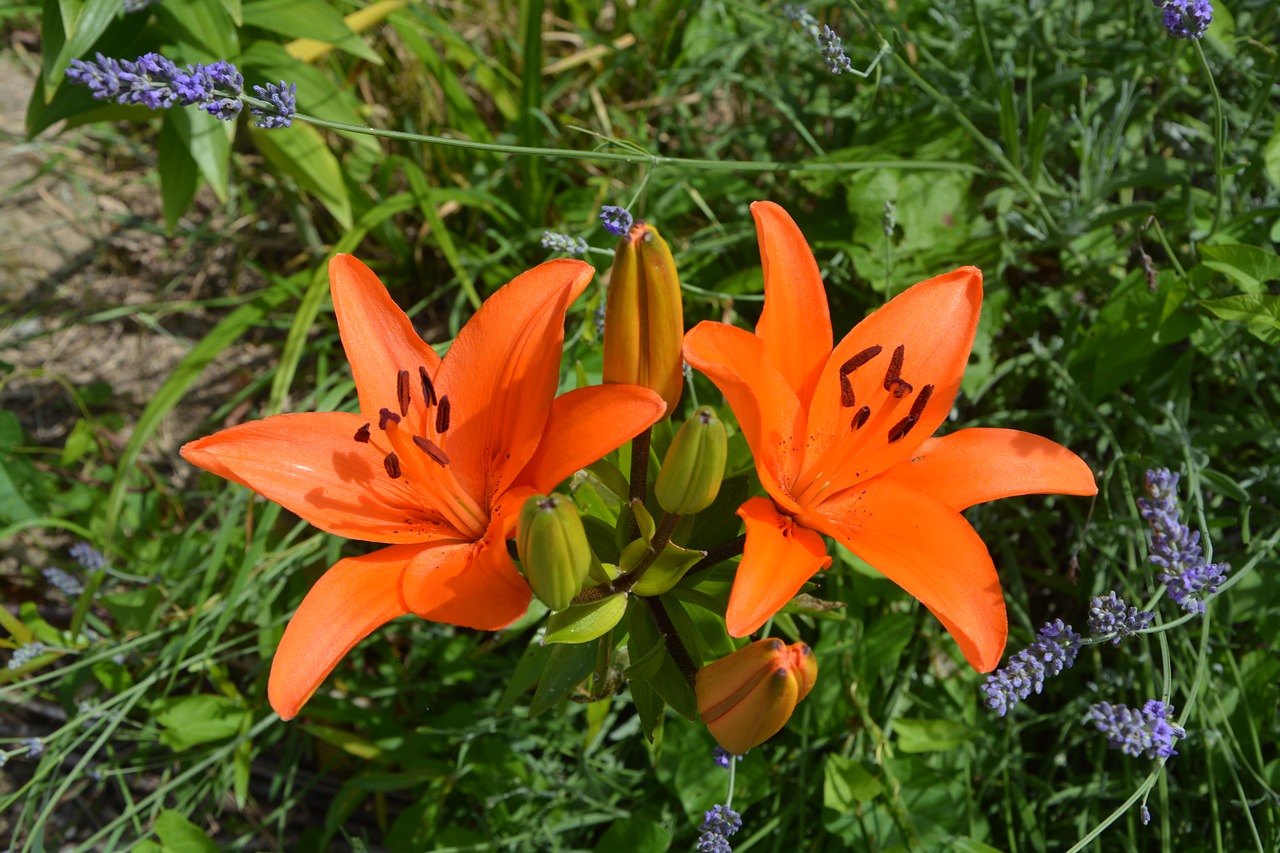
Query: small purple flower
{"points": [[722, 756], [1054, 650], [1110, 615], [35, 747], [26, 653], [1146, 732], [89, 557], [284, 103], [1186, 19], [558, 242], [63, 581], [1175, 548], [800, 15], [832, 51], [616, 220], [717, 825]]}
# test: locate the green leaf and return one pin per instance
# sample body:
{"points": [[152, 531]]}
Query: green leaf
{"points": [[1251, 308], [300, 152], [135, 610], [1271, 156], [349, 742], [846, 783], [314, 19], [567, 666], [931, 735], [885, 639], [179, 173], [179, 835], [208, 143], [636, 835], [202, 28], [82, 24], [581, 623], [526, 675], [192, 720], [1248, 266], [666, 571]]}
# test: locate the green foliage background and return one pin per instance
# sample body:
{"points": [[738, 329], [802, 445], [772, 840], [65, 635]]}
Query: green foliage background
{"points": [[1119, 188]]}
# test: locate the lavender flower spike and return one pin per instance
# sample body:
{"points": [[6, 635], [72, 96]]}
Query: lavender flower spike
{"points": [[1186, 19], [1175, 548], [718, 824], [1054, 650], [283, 100], [1108, 615], [617, 220], [1146, 732], [557, 242]]}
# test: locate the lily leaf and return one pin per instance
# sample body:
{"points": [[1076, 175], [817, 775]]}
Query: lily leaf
{"points": [[667, 569], [581, 623]]}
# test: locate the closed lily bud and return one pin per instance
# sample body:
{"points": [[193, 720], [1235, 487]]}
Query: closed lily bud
{"points": [[553, 549], [745, 698], [644, 316], [694, 466]]}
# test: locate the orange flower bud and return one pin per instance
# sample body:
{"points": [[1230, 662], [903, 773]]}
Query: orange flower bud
{"points": [[644, 316], [745, 698]]}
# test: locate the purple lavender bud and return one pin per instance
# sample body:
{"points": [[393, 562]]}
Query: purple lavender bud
{"points": [[1146, 732], [225, 77], [1108, 615], [63, 581], [833, 51], [808, 24], [616, 220], [35, 747], [25, 654], [1186, 19], [722, 757], [558, 242], [1054, 650], [1175, 548], [717, 825], [225, 109], [284, 105], [89, 558]]}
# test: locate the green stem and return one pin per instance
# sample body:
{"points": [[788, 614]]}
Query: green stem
{"points": [[719, 554], [642, 157], [1219, 142], [623, 583], [675, 647]]}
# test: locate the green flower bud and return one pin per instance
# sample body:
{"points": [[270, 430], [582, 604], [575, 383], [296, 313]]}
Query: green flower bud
{"points": [[644, 316], [694, 466], [553, 549]]}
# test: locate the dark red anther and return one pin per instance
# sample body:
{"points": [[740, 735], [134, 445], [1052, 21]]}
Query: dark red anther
{"points": [[902, 427], [385, 415], [892, 380], [442, 415], [860, 418], [392, 464], [402, 391], [362, 434], [846, 392], [427, 447], [428, 390], [861, 359]]}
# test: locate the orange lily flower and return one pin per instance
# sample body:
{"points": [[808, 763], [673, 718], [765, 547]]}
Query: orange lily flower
{"points": [[841, 441], [436, 465]]}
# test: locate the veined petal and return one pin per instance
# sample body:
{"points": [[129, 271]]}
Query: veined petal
{"points": [[768, 411], [379, 339], [928, 549], [473, 584], [973, 466], [920, 340], [584, 425], [501, 374], [795, 324], [779, 557], [311, 464], [349, 601]]}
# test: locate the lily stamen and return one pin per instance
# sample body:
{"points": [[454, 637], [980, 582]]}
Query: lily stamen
{"points": [[402, 392], [362, 434], [392, 464], [386, 416], [427, 447], [428, 389], [442, 415]]}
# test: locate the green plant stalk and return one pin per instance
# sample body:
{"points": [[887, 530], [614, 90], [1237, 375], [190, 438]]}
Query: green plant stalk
{"points": [[654, 160], [623, 583], [1219, 142]]}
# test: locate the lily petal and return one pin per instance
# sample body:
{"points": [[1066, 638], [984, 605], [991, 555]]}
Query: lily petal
{"points": [[795, 324], [928, 549], [501, 375], [586, 424], [474, 584], [378, 337], [973, 466], [356, 596], [779, 557], [311, 464], [934, 324], [768, 411]]}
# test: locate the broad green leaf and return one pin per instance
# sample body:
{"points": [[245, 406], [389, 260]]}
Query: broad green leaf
{"points": [[567, 666], [581, 623], [203, 29], [300, 151], [135, 609], [208, 141], [846, 783], [349, 742], [82, 23], [1271, 156], [527, 672], [314, 19], [1250, 267], [179, 835], [636, 835], [192, 720], [1252, 308], [667, 570], [931, 735], [884, 640]]}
